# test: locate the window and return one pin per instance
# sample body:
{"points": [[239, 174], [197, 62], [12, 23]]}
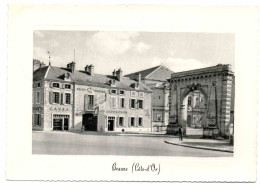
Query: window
{"points": [[140, 104], [140, 121], [121, 121], [37, 119], [132, 122], [122, 92], [67, 98], [159, 117], [56, 97], [67, 86], [37, 97], [122, 102], [189, 101], [89, 102], [133, 93], [113, 91], [56, 85], [132, 103], [39, 84], [113, 103], [141, 94]]}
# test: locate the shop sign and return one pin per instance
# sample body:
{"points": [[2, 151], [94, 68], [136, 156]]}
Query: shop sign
{"points": [[58, 109], [116, 111]]}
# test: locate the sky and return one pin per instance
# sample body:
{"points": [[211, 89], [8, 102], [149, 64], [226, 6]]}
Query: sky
{"points": [[134, 51]]}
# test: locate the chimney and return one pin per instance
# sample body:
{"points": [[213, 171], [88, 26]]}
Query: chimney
{"points": [[71, 66], [119, 74], [137, 77], [87, 68], [114, 72], [91, 69]]}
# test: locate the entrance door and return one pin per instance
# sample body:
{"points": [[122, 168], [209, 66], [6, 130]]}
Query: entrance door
{"points": [[66, 124], [110, 125], [57, 124], [90, 122]]}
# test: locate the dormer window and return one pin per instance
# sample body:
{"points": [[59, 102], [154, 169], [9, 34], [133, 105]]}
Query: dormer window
{"points": [[67, 77], [112, 82]]}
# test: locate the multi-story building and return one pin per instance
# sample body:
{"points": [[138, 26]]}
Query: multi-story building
{"points": [[69, 99], [156, 79]]}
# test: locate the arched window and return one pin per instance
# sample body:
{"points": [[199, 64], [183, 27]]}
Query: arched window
{"points": [[189, 101]]}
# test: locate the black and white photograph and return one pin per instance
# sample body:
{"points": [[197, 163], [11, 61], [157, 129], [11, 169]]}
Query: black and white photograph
{"points": [[133, 93]]}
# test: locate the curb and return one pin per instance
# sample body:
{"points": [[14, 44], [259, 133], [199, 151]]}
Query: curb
{"points": [[204, 148]]}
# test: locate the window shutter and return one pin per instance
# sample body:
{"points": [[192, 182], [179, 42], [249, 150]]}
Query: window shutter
{"points": [[62, 98], [129, 121], [51, 84], [51, 97], [34, 97], [94, 101], [86, 102]]}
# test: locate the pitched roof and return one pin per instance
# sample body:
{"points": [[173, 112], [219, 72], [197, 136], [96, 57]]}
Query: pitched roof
{"points": [[160, 73], [143, 73], [82, 77], [39, 73]]}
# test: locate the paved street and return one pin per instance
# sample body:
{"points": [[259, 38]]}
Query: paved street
{"points": [[66, 143]]}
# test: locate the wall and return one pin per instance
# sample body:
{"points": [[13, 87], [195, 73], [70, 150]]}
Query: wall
{"points": [[103, 99]]}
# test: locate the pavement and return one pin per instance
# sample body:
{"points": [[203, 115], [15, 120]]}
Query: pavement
{"points": [[194, 140], [206, 144], [111, 143]]}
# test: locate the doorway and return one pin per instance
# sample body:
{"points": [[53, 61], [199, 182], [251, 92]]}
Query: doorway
{"points": [[110, 123], [66, 124], [89, 121]]}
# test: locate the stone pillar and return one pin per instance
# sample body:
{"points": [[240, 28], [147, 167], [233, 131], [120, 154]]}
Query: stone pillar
{"points": [[183, 121], [226, 104]]}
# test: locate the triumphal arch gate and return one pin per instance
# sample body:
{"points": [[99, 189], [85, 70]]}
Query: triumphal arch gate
{"points": [[202, 99]]}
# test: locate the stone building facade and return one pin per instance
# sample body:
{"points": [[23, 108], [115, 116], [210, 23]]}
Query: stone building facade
{"points": [[68, 99], [215, 108], [157, 79]]}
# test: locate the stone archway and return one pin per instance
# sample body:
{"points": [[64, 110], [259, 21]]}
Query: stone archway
{"points": [[193, 110], [217, 86]]}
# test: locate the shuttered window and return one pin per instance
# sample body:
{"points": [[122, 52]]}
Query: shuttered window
{"points": [[140, 121], [140, 104], [132, 121], [122, 102], [37, 119], [67, 98], [56, 97], [37, 97], [121, 121], [132, 103]]}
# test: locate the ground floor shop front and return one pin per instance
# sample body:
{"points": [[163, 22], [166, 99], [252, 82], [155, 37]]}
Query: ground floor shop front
{"points": [[118, 121]]}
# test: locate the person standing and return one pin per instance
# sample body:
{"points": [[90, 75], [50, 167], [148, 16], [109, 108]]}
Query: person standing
{"points": [[180, 133]]}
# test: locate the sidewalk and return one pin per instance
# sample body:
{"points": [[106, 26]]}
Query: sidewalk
{"points": [[206, 144]]}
